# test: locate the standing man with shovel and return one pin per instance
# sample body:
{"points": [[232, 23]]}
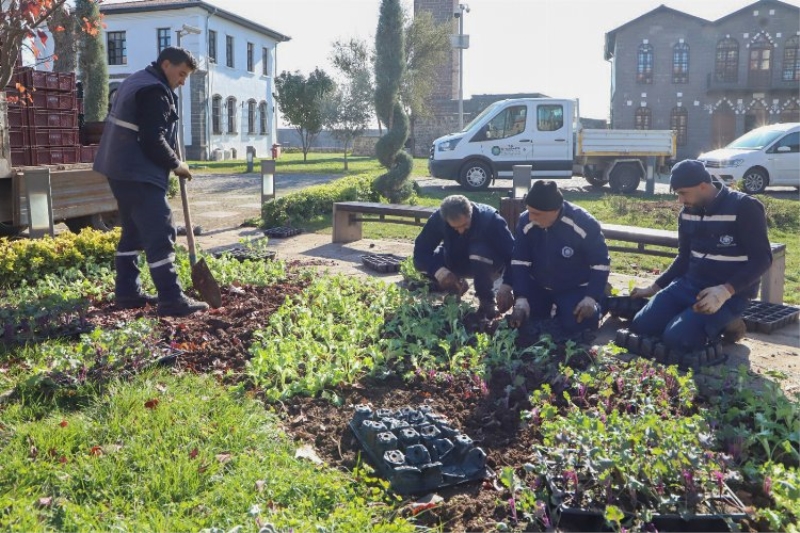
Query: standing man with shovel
{"points": [[137, 152]]}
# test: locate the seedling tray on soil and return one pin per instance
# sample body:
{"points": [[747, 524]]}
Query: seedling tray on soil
{"points": [[417, 450], [384, 263], [652, 348], [764, 317], [243, 253], [282, 232], [624, 306]]}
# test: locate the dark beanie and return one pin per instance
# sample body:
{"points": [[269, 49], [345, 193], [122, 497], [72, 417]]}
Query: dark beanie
{"points": [[544, 196], [688, 173]]}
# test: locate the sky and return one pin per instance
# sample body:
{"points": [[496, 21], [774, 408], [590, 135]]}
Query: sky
{"points": [[554, 47]]}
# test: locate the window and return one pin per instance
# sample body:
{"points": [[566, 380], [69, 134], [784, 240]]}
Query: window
{"points": [[678, 123], [250, 60], [229, 50], [507, 123], [231, 105], [643, 118], [680, 63], [726, 66], [644, 64], [163, 38], [549, 117], [212, 46], [760, 70], [117, 51], [262, 118], [251, 117], [265, 61], [216, 114], [791, 141], [791, 60]]}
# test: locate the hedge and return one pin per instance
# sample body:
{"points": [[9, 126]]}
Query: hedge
{"points": [[317, 200]]}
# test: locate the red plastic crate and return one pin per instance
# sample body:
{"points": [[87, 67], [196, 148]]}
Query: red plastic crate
{"points": [[19, 137], [54, 155], [20, 157], [45, 118], [89, 153], [55, 101], [16, 117], [50, 137], [66, 81]]}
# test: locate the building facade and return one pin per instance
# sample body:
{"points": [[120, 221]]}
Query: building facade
{"points": [[227, 106], [710, 81]]}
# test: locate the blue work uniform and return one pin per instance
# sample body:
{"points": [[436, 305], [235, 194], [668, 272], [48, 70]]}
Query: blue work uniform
{"points": [[137, 153], [560, 265], [725, 242], [483, 252]]}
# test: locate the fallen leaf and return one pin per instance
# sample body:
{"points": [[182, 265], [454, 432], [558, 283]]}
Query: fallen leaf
{"points": [[193, 453], [427, 502], [307, 452], [151, 404], [63, 460], [63, 423], [224, 457], [45, 502], [96, 450], [161, 388], [260, 485]]}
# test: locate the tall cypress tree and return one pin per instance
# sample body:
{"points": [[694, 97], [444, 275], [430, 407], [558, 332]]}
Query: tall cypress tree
{"points": [[389, 66], [92, 61]]}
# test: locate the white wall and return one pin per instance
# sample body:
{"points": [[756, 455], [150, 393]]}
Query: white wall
{"points": [[142, 49]]}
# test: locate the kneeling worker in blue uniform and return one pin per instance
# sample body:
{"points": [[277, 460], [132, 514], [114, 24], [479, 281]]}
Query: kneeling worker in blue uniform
{"points": [[723, 251], [137, 153], [560, 258], [465, 239]]}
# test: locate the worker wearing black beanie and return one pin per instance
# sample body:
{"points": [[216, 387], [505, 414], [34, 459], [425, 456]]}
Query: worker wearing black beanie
{"points": [[560, 258]]}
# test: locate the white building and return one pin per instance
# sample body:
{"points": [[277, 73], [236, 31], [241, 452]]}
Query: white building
{"points": [[229, 99]]}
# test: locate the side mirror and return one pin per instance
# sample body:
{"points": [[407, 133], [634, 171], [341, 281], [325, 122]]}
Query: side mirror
{"points": [[783, 149]]}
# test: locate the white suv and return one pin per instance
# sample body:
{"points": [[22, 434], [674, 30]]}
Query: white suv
{"points": [[769, 155]]}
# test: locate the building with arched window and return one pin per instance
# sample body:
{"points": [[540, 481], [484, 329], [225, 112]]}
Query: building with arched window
{"points": [[710, 81], [220, 101]]}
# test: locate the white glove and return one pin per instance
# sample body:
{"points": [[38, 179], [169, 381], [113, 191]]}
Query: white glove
{"points": [[505, 298], [646, 292], [586, 308], [182, 170], [521, 312], [711, 299]]}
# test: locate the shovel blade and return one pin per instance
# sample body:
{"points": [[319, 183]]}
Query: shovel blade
{"points": [[204, 282]]}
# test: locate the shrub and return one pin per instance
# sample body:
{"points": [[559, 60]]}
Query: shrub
{"points": [[25, 261], [317, 200]]}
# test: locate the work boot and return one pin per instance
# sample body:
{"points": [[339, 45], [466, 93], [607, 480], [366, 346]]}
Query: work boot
{"points": [[734, 331], [183, 306], [488, 308], [135, 302]]}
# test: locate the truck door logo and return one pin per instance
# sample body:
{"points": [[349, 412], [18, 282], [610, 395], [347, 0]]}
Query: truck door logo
{"points": [[495, 150]]}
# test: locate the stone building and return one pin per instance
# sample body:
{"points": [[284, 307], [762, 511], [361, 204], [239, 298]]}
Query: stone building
{"points": [[710, 81]]}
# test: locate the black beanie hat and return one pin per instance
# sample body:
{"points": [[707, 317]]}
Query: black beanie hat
{"points": [[688, 173], [544, 196]]}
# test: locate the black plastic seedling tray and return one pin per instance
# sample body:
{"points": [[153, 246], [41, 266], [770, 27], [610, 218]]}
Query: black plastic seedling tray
{"points": [[417, 450], [243, 253], [652, 348], [765, 317], [624, 306], [282, 232], [383, 263]]}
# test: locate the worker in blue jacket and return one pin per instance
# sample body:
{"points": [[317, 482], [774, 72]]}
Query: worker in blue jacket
{"points": [[723, 249], [137, 152], [560, 258], [465, 239]]}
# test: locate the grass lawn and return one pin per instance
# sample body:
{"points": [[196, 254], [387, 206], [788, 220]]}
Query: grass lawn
{"points": [[318, 163]]}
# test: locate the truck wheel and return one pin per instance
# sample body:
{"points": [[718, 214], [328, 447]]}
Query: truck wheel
{"points": [[98, 221], [755, 181], [475, 176], [590, 173], [625, 178]]}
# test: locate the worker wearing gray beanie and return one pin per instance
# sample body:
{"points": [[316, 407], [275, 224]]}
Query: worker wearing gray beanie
{"points": [[560, 258]]}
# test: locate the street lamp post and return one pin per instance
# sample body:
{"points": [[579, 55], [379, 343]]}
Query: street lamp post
{"points": [[184, 30], [461, 42]]}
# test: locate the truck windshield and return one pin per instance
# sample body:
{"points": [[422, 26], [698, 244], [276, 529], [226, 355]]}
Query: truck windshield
{"points": [[480, 116], [755, 140]]}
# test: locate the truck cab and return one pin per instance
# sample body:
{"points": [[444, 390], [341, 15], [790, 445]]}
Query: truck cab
{"points": [[524, 131]]}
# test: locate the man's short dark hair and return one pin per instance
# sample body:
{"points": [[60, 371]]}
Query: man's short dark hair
{"points": [[177, 56]]}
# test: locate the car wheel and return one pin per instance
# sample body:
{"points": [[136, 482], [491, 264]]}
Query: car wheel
{"points": [[98, 221], [475, 176], [754, 181], [625, 178]]}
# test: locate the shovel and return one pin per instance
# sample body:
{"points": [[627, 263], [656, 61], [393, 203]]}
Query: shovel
{"points": [[202, 279]]}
